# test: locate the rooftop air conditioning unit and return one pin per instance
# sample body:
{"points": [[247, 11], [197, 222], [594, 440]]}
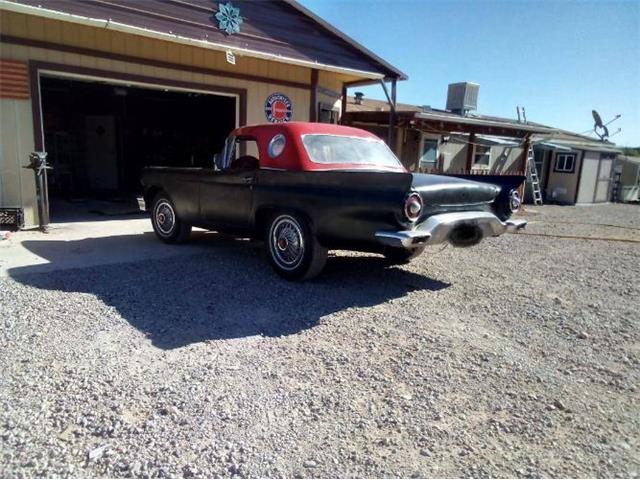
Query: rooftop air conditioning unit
{"points": [[462, 97]]}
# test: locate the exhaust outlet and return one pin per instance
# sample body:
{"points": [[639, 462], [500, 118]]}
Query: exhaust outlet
{"points": [[465, 235]]}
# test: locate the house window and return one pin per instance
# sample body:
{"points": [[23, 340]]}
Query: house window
{"points": [[482, 156], [429, 158], [565, 163]]}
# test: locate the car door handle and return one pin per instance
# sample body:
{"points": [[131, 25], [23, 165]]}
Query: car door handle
{"points": [[248, 180]]}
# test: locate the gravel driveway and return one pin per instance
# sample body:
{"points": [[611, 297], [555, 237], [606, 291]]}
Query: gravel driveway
{"points": [[518, 357]]}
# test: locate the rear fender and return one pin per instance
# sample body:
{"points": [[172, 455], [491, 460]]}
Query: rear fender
{"points": [[507, 184], [339, 204]]}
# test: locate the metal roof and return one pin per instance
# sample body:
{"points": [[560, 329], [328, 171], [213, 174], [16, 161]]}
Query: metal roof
{"points": [[365, 51], [277, 30], [370, 110], [438, 116], [563, 141], [493, 140], [627, 158], [552, 146]]}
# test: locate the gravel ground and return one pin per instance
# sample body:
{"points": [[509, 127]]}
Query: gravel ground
{"points": [[518, 357], [614, 221]]}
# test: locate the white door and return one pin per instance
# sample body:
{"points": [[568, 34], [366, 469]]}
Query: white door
{"points": [[102, 156], [586, 189], [604, 180]]}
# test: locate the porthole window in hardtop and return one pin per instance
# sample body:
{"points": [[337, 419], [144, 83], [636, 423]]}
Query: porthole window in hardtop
{"points": [[276, 145]]}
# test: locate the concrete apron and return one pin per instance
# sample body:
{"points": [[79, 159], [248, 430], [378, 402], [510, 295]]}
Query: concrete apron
{"points": [[90, 243]]}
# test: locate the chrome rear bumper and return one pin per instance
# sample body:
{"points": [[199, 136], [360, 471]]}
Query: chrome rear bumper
{"points": [[439, 228]]}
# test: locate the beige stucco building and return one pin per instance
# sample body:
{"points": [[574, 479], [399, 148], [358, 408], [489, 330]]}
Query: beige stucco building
{"points": [[574, 169], [447, 142]]}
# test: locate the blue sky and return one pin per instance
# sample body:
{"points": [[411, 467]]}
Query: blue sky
{"points": [[559, 59]]}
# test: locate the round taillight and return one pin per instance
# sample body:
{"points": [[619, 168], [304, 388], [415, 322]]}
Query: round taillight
{"points": [[413, 207], [514, 201]]}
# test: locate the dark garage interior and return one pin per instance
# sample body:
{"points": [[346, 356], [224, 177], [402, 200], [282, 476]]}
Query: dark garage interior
{"points": [[100, 136]]}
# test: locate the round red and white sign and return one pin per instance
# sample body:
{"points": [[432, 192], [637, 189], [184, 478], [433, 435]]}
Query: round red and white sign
{"points": [[278, 108]]}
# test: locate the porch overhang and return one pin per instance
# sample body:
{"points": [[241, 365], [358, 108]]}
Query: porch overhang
{"points": [[446, 123]]}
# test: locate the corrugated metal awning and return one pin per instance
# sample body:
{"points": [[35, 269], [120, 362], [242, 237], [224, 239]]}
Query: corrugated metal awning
{"points": [[553, 146], [452, 118], [491, 140]]}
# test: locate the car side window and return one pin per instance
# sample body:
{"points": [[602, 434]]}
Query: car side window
{"points": [[244, 155]]}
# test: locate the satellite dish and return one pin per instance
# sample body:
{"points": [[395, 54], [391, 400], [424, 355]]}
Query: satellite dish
{"points": [[599, 128], [597, 118]]}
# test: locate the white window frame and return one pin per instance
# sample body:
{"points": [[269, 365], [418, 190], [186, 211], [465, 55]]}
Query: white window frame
{"points": [[557, 167], [432, 138], [476, 164]]}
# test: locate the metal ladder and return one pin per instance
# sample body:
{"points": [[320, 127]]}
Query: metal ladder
{"points": [[532, 177]]}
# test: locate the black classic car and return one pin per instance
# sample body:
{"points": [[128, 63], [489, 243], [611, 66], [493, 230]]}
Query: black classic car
{"points": [[308, 187]]}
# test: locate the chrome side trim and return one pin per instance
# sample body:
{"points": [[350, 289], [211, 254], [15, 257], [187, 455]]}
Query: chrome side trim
{"points": [[437, 229]]}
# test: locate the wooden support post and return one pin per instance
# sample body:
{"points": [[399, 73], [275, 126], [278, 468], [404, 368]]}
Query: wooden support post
{"points": [[313, 102], [343, 108], [391, 99], [525, 149], [471, 149], [525, 163], [392, 117]]}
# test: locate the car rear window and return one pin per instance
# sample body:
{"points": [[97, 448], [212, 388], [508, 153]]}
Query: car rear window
{"points": [[337, 149]]}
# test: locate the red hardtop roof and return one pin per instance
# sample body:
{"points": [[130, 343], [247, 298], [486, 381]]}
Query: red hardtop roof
{"points": [[302, 128], [295, 156]]}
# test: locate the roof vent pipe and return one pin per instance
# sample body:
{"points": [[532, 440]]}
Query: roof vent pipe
{"points": [[358, 98]]}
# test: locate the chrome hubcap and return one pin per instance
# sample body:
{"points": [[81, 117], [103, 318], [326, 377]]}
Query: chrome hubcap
{"points": [[282, 244], [287, 244], [165, 217]]}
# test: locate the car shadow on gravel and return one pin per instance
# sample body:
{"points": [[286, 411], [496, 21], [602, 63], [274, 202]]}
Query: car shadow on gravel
{"points": [[225, 291]]}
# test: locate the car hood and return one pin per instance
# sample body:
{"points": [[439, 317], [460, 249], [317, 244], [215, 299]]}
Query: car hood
{"points": [[443, 191]]}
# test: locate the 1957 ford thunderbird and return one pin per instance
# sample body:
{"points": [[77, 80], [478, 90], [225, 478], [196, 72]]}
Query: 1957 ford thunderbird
{"points": [[306, 188]]}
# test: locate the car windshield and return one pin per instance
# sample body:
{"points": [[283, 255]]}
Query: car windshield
{"points": [[336, 149]]}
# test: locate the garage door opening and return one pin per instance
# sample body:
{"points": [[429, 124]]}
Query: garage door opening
{"points": [[99, 136]]}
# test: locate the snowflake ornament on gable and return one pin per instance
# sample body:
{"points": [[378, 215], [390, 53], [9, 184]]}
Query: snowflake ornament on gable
{"points": [[229, 19]]}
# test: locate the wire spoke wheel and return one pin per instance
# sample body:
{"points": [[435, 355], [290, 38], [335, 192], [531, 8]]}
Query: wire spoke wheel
{"points": [[169, 227], [293, 249], [286, 242], [165, 217]]}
